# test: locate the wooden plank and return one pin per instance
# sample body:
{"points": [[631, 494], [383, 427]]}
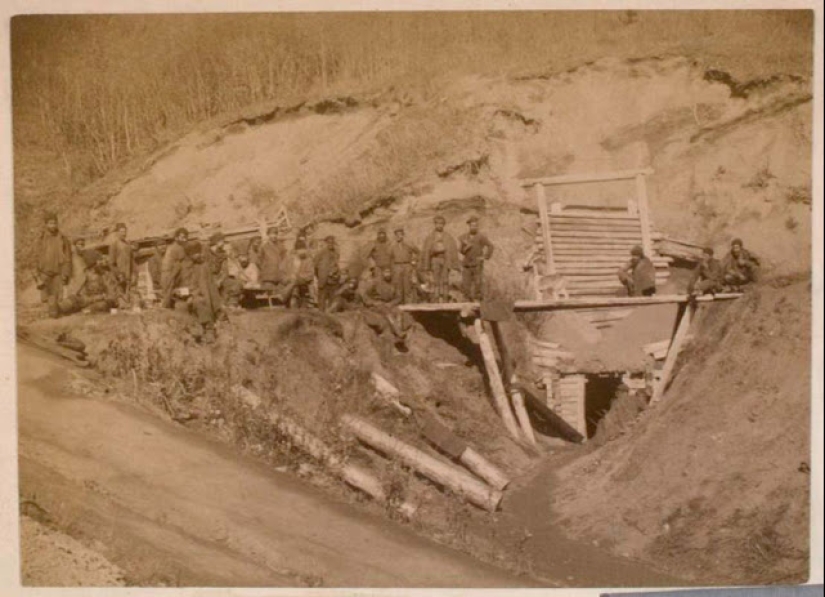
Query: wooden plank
{"points": [[442, 472], [563, 234], [608, 226], [496, 384], [576, 257], [673, 352], [599, 243], [644, 213], [585, 177], [545, 229]]}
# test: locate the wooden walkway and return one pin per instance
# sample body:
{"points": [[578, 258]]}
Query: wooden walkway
{"points": [[526, 306]]}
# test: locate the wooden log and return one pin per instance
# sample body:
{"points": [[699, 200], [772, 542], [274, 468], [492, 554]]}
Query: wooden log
{"points": [[673, 352], [443, 473], [496, 384], [559, 425], [457, 449], [542, 343], [584, 223], [516, 399], [585, 177], [562, 235]]}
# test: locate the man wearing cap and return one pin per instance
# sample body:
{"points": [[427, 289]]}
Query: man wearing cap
{"points": [[204, 299], [327, 272], [438, 256], [275, 268], [172, 266], [476, 248], [740, 266], [638, 275], [378, 253], [54, 265], [402, 257], [121, 260], [707, 277]]}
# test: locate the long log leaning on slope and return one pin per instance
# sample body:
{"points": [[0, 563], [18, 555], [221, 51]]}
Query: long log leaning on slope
{"points": [[443, 473], [457, 449], [559, 425]]}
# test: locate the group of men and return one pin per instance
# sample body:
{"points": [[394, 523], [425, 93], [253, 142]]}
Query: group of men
{"points": [[209, 278], [739, 268]]}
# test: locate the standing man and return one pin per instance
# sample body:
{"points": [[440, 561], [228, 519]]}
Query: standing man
{"points": [[739, 266], [439, 256], [275, 267], [172, 265], [155, 265], [379, 252], [327, 272], [78, 267], [707, 277], [54, 265], [476, 248], [204, 300], [402, 257], [121, 261], [638, 275]]}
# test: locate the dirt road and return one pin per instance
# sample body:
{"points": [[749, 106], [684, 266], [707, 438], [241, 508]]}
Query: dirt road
{"points": [[170, 507]]}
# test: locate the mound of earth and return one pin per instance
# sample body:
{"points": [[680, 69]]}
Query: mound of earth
{"points": [[714, 482]]}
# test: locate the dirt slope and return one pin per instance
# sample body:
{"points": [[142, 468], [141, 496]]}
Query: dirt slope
{"points": [[173, 508], [714, 482]]}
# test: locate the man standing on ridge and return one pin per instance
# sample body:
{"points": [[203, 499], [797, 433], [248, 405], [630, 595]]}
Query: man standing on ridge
{"points": [[639, 274], [402, 257], [171, 267], [54, 265], [476, 248], [121, 260], [438, 256]]}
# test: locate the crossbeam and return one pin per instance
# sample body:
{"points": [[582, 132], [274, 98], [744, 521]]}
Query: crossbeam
{"points": [[527, 306]]}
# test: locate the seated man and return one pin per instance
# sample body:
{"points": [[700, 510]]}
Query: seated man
{"points": [[304, 277], [739, 267], [346, 297], [638, 275], [99, 291], [381, 297], [203, 299], [707, 277]]}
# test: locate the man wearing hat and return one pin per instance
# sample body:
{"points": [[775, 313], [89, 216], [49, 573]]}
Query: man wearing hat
{"points": [[327, 272], [204, 299], [54, 265], [378, 253], [740, 266], [121, 260], [172, 265], [476, 248], [707, 277], [402, 257], [438, 256], [638, 275]]}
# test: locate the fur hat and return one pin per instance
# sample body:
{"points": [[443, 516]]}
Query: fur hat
{"points": [[637, 251]]}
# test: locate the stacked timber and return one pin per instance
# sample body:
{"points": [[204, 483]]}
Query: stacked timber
{"points": [[569, 401]]}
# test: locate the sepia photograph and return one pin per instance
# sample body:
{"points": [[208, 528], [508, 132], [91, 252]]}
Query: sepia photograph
{"points": [[414, 299]]}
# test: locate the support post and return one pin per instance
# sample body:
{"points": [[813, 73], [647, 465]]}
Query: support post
{"points": [[516, 398], [496, 384], [673, 352], [541, 199], [644, 214]]}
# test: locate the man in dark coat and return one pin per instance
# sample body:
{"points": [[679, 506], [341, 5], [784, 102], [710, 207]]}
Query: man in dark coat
{"points": [[204, 299], [639, 274], [438, 256], [378, 253], [381, 297], [275, 267], [707, 277], [475, 248], [402, 257], [327, 272], [121, 260], [740, 266], [172, 266], [54, 265], [225, 272]]}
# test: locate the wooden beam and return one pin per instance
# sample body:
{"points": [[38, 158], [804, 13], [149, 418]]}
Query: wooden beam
{"points": [[644, 213], [516, 398], [673, 352], [443, 473], [541, 199], [586, 177], [496, 384]]}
